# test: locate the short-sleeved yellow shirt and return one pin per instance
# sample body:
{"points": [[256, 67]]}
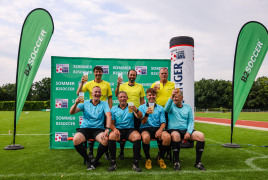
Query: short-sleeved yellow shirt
{"points": [[134, 92], [164, 93], [106, 90]]}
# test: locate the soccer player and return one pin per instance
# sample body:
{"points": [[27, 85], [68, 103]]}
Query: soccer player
{"points": [[92, 126], [164, 91], [152, 126], [136, 95], [123, 128], [181, 127], [105, 91]]}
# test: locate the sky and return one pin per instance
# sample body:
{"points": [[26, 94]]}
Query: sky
{"points": [[135, 29]]}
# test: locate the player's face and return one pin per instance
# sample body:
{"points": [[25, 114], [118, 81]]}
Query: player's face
{"points": [[96, 93], [98, 74], [163, 74], [122, 98], [151, 97], [132, 76], [177, 99]]}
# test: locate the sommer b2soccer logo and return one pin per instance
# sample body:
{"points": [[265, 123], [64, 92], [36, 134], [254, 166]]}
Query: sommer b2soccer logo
{"points": [[61, 103], [141, 70], [62, 68], [61, 136], [105, 69]]}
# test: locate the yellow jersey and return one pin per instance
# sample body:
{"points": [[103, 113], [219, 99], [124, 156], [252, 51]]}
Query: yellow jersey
{"points": [[164, 93], [106, 90], [134, 92]]}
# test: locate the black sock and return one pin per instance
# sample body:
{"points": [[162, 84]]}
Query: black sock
{"points": [[81, 149], [91, 145], [159, 146], [136, 149], [101, 150], [122, 146], [176, 150], [163, 151], [112, 148], [200, 145], [146, 149], [169, 149]]}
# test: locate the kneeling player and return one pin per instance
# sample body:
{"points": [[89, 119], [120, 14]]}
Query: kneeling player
{"points": [[92, 126], [152, 126], [181, 127], [123, 128]]}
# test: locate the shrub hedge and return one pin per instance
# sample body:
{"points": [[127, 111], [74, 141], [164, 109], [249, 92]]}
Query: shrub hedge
{"points": [[28, 106]]}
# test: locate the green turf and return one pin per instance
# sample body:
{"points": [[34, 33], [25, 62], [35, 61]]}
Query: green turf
{"points": [[37, 161], [253, 116]]}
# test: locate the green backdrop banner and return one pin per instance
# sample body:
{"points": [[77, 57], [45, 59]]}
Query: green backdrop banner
{"points": [[251, 49], [35, 36], [66, 74]]}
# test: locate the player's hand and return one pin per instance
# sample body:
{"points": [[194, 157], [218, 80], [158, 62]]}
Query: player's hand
{"points": [[119, 81], [186, 136], [83, 79], [158, 133], [105, 134], [174, 92], [155, 87], [116, 132], [133, 108], [149, 110], [78, 100]]}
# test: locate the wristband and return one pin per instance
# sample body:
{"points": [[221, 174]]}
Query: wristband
{"points": [[137, 111], [146, 115], [107, 128]]}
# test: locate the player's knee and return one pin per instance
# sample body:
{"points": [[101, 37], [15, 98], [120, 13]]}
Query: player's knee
{"points": [[104, 142], [145, 138], [201, 137], [77, 141], [136, 136], [175, 137], [112, 136]]}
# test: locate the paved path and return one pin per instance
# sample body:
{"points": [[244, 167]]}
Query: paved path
{"points": [[239, 123]]}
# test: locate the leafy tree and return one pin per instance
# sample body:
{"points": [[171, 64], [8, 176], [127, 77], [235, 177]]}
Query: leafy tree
{"points": [[41, 90]]}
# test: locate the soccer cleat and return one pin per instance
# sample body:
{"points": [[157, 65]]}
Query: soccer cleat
{"points": [[90, 155], [107, 156], [89, 166], [121, 156], [148, 164], [161, 163], [177, 166], [113, 166], [136, 167], [200, 166]]}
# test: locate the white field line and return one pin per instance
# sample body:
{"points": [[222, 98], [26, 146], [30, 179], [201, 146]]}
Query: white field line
{"points": [[240, 126], [249, 160], [92, 173], [25, 134]]}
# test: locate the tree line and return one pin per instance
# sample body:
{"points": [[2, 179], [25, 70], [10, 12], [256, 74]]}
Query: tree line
{"points": [[209, 93]]}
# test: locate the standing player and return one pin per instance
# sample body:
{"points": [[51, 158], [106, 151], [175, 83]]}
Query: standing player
{"points": [[164, 91], [123, 128], [135, 93], [106, 93], [181, 127], [92, 126], [152, 126]]}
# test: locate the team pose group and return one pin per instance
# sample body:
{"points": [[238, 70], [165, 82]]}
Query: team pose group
{"points": [[164, 118]]}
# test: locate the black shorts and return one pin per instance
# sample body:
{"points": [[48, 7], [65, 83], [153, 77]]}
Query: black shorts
{"points": [[125, 133], [181, 132], [151, 131], [90, 133]]}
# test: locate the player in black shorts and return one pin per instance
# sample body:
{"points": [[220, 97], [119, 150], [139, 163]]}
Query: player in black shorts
{"points": [[123, 128], [92, 126]]}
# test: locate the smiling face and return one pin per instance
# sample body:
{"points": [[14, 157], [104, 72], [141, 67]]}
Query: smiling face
{"points": [[122, 98], [98, 74], [177, 99], [132, 75], [151, 97], [96, 93]]}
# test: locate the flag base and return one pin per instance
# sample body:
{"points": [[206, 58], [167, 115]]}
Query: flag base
{"points": [[231, 145], [13, 147]]}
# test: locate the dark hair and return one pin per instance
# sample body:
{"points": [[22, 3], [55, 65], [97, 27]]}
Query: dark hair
{"points": [[97, 68], [121, 92], [151, 90], [132, 70]]}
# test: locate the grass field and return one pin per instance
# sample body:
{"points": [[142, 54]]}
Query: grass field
{"points": [[253, 116], [37, 161]]}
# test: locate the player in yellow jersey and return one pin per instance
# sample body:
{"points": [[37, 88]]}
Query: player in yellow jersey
{"points": [[164, 90], [105, 91], [135, 93]]}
